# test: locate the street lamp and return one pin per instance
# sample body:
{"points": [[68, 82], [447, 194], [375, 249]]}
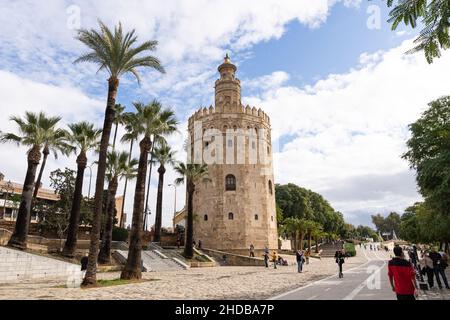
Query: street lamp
{"points": [[90, 179], [175, 204]]}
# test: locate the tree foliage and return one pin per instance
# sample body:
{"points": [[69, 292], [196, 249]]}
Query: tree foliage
{"points": [[433, 14], [297, 202], [387, 224]]}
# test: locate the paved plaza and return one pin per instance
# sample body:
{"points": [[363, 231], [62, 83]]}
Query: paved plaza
{"points": [[318, 281]]}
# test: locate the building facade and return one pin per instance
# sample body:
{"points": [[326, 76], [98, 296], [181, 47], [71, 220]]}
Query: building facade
{"points": [[235, 207]]}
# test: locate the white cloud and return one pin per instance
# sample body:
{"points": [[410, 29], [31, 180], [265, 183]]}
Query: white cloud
{"points": [[351, 128]]}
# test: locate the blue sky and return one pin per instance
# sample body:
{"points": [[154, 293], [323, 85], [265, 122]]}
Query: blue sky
{"points": [[340, 95]]}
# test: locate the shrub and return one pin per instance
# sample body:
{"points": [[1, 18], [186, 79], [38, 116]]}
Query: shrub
{"points": [[120, 234], [350, 249]]}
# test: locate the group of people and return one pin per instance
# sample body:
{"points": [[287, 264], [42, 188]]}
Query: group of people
{"points": [[432, 264], [277, 260], [403, 273]]}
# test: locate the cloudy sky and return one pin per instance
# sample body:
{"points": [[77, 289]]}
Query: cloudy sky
{"points": [[333, 78]]}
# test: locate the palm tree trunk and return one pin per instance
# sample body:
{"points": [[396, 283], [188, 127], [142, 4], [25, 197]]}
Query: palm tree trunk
{"points": [[133, 267], [296, 240], [122, 215], [158, 218], [72, 233], [302, 236], [309, 241], [115, 136], [317, 245], [148, 186], [189, 245], [104, 257], [20, 235], [37, 185], [90, 278]]}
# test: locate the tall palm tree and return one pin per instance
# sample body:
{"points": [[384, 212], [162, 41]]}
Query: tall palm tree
{"points": [[118, 167], [150, 120], [130, 136], [297, 227], [119, 119], [83, 137], [190, 175], [31, 135], [55, 141], [311, 228], [164, 155], [156, 139], [118, 54]]}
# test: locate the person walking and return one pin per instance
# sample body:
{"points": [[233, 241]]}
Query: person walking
{"points": [[266, 257], [402, 276], [300, 260], [199, 244], [340, 260], [307, 255], [439, 268], [252, 251], [84, 263], [274, 259]]}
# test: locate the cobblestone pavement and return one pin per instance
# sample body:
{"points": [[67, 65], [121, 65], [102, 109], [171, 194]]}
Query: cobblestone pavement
{"points": [[196, 283]]}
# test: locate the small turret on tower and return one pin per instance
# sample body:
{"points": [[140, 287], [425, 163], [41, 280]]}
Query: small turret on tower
{"points": [[228, 88]]}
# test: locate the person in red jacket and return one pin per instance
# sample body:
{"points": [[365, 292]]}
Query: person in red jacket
{"points": [[402, 276]]}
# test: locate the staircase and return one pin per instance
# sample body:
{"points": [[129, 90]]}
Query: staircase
{"points": [[156, 261], [329, 249]]}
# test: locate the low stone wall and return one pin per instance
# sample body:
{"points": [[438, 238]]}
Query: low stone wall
{"points": [[233, 259], [19, 266]]}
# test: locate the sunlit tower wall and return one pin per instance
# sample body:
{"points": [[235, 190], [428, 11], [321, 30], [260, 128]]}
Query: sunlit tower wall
{"points": [[236, 206]]}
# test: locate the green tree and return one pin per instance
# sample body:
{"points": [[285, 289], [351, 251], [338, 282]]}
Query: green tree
{"points": [[83, 137], [31, 135], [118, 54], [55, 216], [434, 15], [55, 141], [190, 174], [429, 154], [118, 168], [164, 155], [150, 120]]}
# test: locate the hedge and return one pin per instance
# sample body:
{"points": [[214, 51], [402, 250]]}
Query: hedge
{"points": [[350, 249]]}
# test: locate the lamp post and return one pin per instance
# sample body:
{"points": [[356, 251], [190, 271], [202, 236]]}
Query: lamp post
{"points": [[90, 179], [175, 204]]}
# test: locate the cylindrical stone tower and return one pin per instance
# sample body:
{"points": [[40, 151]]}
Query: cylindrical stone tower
{"points": [[236, 207]]}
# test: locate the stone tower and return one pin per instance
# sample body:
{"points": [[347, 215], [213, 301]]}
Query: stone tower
{"points": [[236, 207]]}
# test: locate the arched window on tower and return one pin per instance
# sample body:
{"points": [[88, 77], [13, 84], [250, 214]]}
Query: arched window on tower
{"points": [[230, 216], [205, 217], [230, 183], [270, 187]]}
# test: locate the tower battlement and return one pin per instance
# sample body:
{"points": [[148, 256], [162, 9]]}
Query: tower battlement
{"points": [[248, 110]]}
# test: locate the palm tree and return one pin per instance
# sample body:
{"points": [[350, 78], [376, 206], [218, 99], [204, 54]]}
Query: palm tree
{"points": [[130, 136], [150, 120], [118, 119], [118, 167], [435, 17], [31, 135], [311, 228], [298, 228], [164, 155], [83, 137], [116, 53], [55, 141], [156, 140], [190, 175]]}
